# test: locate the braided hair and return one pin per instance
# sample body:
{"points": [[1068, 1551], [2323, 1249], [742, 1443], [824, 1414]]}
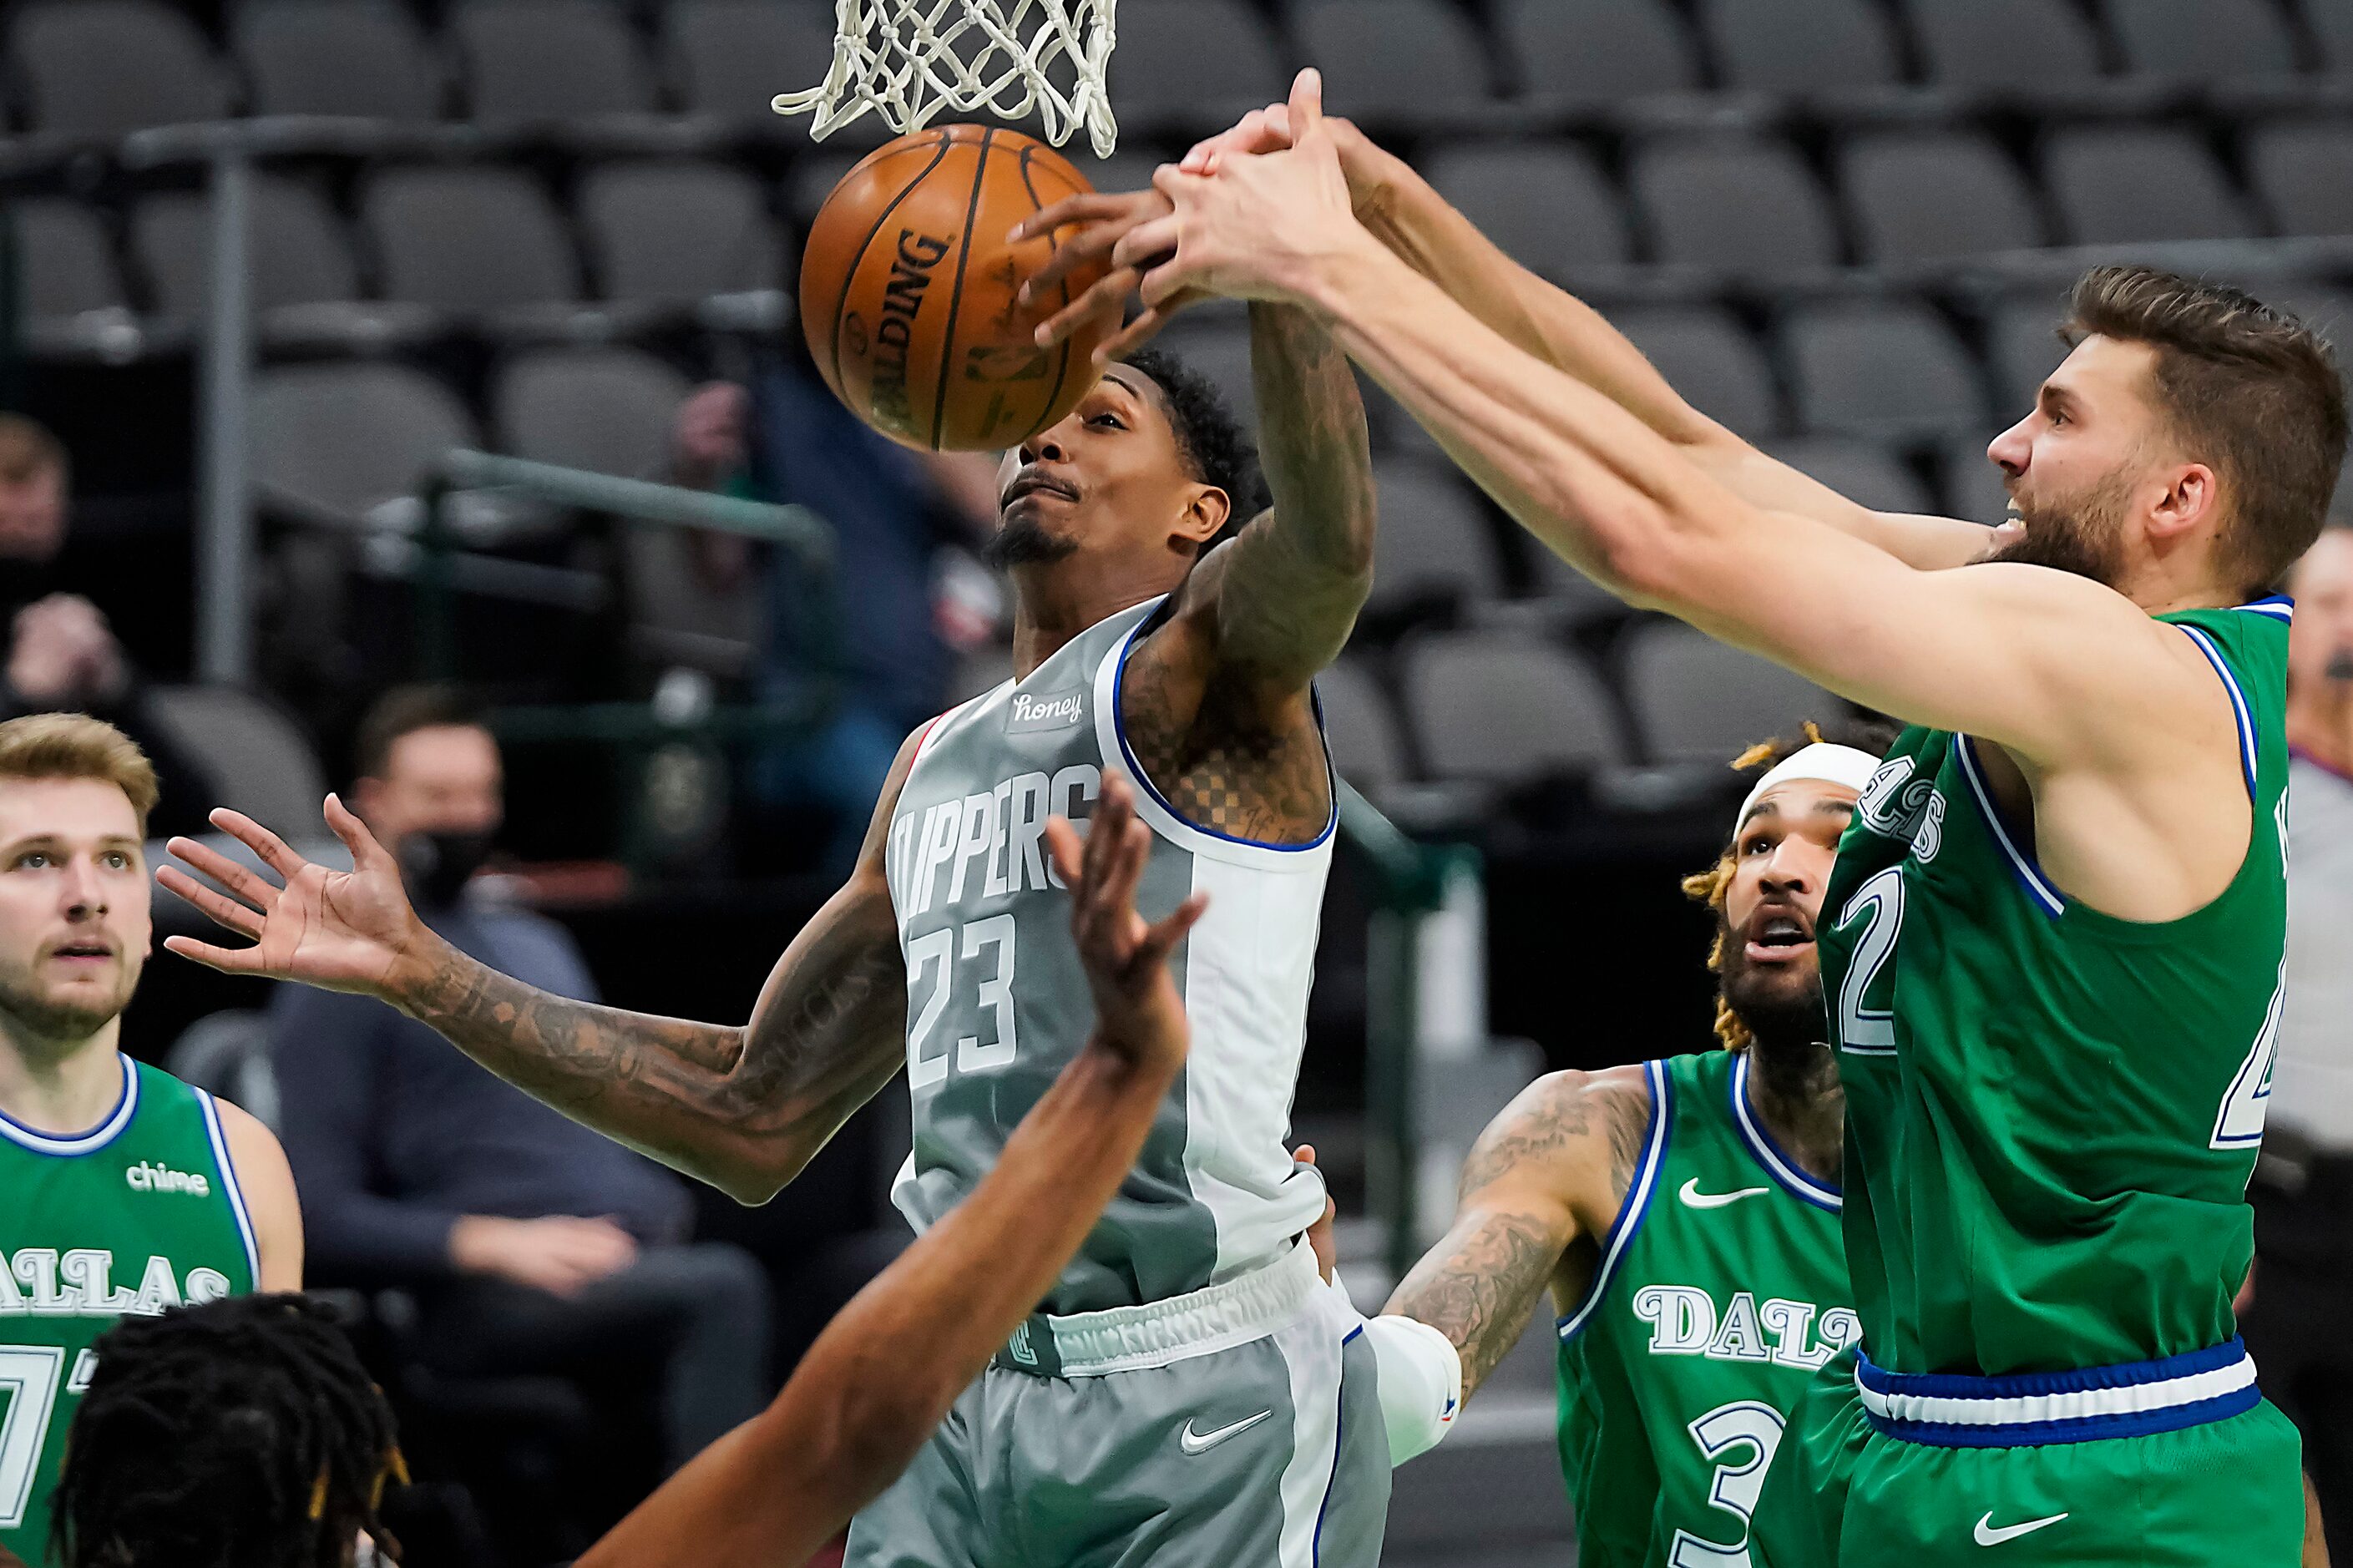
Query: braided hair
{"points": [[242, 1433]]}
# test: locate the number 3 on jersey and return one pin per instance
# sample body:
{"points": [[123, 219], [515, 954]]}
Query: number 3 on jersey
{"points": [[935, 957], [1745, 1427]]}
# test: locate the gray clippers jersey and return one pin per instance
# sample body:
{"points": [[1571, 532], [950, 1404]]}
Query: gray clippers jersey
{"points": [[998, 1006]]}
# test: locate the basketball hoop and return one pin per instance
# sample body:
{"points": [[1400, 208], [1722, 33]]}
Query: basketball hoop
{"points": [[910, 60]]}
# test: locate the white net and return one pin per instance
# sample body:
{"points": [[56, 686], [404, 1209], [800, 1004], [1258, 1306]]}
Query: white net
{"points": [[910, 60]]}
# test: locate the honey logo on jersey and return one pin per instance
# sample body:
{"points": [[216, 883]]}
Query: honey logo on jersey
{"points": [[1028, 715]]}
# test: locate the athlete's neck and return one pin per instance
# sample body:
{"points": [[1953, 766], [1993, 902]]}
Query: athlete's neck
{"points": [[1054, 601], [59, 1085], [1793, 1087]]}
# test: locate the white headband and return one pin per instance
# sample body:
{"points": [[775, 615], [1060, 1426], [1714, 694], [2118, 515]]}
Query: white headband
{"points": [[1821, 761]]}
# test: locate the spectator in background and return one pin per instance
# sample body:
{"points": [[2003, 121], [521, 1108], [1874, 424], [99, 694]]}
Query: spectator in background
{"points": [[2303, 1190], [62, 657], [909, 598], [533, 1244]]}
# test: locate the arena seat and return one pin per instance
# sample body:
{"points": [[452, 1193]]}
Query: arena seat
{"points": [[1732, 205], [1700, 700], [98, 68], [2330, 22], [675, 230], [1573, 598], [2327, 310], [254, 753], [333, 442], [605, 409], [1597, 50], [1711, 359], [480, 240], [2303, 171], [1970, 484], [1395, 62], [728, 57], [1546, 203], [66, 265], [541, 60], [1193, 66], [2022, 346], [336, 57], [299, 252], [1501, 707], [1801, 45], [2116, 184], [1367, 748], [1435, 541], [1886, 369], [1924, 196], [2005, 46], [1860, 470], [2202, 39], [1214, 339]]}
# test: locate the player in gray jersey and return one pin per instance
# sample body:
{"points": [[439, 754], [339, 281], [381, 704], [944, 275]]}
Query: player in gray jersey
{"points": [[1188, 1393]]}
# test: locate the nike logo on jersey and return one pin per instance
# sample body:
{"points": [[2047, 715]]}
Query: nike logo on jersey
{"points": [[1694, 1198], [1989, 1534], [1194, 1442]]}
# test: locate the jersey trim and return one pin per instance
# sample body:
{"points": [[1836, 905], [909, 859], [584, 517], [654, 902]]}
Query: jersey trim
{"points": [[1631, 1213], [2239, 713], [1768, 1153], [96, 1138], [2279, 607], [2029, 876], [2134, 1399], [229, 1184]]}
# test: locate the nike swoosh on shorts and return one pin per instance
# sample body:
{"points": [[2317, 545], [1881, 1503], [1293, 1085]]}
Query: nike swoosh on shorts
{"points": [[1990, 1534], [1194, 1442]]}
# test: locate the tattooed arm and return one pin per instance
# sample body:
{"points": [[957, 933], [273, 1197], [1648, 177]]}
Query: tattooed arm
{"points": [[1549, 1172], [742, 1107]]}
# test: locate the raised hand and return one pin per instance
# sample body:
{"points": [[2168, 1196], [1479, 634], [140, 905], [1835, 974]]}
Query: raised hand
{"points": [[1107, 217], [343, 931], [1137, 1012]]}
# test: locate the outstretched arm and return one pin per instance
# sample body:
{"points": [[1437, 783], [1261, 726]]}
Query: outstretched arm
{"points": [[741, 1107], [880, 1378], [1553, 1167]]}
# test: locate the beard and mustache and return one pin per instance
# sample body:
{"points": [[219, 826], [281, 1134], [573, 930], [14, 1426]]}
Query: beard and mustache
{"points": [[1022, 541], [44, 1017], [2083, 533], [1781, 1004]]}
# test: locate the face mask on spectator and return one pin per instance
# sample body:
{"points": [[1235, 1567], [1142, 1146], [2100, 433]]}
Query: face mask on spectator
{"points": [[437, 866]]}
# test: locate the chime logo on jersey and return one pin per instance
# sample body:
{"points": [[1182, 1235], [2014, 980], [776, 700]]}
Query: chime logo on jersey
{"points": [[41, 1282], [143, 1177], [1685, 1321], [987, 844]]}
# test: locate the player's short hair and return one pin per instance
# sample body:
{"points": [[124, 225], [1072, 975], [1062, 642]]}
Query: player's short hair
{"points": [[27, 449], [243, 1433], [76, 746], [1210, 437], [1709, 887], [404, 710], [2249, 390]]}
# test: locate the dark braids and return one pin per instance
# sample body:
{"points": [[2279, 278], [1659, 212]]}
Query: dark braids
{"points": [[242, 1433]]}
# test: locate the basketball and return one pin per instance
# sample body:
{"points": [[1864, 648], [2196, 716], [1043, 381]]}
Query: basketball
{"points": [[910, 292]]}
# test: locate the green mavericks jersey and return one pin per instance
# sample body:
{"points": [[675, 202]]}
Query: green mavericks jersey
{"points": [[1721, 1291], [138, 1214], [2052, 1113]]}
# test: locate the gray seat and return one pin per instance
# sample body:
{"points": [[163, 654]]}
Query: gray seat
{"points": [[2329, 312], [1700, 700], [1748, 207], [1505, 707], [729, 57], [2119, 185], [1434, 538], [1862, 471], [2331, 24], [1546, 203], [255, 757], [1801, 45], [65, 264], [1181, 63], [226, 1054], [527, 60], [2202, 39], [468, 240], [331, 443], [2005, 44], [606, 409], [1885, 370], [1710, 358], [2022, 346], [101, 68], [1400, 61], [2304, 173], [675, 231], [298, 250], [1360, 727], [336, 57], [1928, 197], [1972, 484], [1214, 339], [1597, 49]]}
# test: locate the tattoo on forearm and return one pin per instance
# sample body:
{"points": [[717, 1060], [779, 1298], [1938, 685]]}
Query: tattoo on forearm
{"points": [[1480, 1288]]}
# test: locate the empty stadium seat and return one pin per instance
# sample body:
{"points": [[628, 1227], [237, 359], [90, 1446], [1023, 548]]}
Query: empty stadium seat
{"points": [[1972, 488], [1215, 340], [532, 60], [2304, 173], [1434, 541], [101, 68], [2022, 347], [298, 251], [65, 264], [1746, 207], [1597, 49], [1801, 45], [2202, 39], [1700, 700], [472, 239], [1406, 62], [331, 443], [2116, 184], [2329, 312], [2005, 44], [729, 57], [1505, 707], [2331, 23], [1710, 358], [1889, 370], [678, 231], [1929, 196], [252, 753], [605, 409], [1192, 65], [336, 57], [1862, 471], [1360, 727], [1545, 203]]}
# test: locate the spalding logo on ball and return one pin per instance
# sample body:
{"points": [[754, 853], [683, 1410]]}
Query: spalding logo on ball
{"points": [[909, 293]]}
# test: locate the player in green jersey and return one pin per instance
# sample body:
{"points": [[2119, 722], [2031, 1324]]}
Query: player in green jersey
{"points": [[127, 1191], [1683, 1212], [2058, 920]]}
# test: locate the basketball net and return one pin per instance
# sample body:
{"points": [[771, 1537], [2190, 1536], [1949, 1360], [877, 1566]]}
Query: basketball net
{"points": [[910, 60]]}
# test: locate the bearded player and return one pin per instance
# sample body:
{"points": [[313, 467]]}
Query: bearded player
{"points": [[2054, 955], [1183, 1393]]}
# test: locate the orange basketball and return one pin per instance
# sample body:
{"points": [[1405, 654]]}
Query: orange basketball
{"points": [[909, 291]]}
